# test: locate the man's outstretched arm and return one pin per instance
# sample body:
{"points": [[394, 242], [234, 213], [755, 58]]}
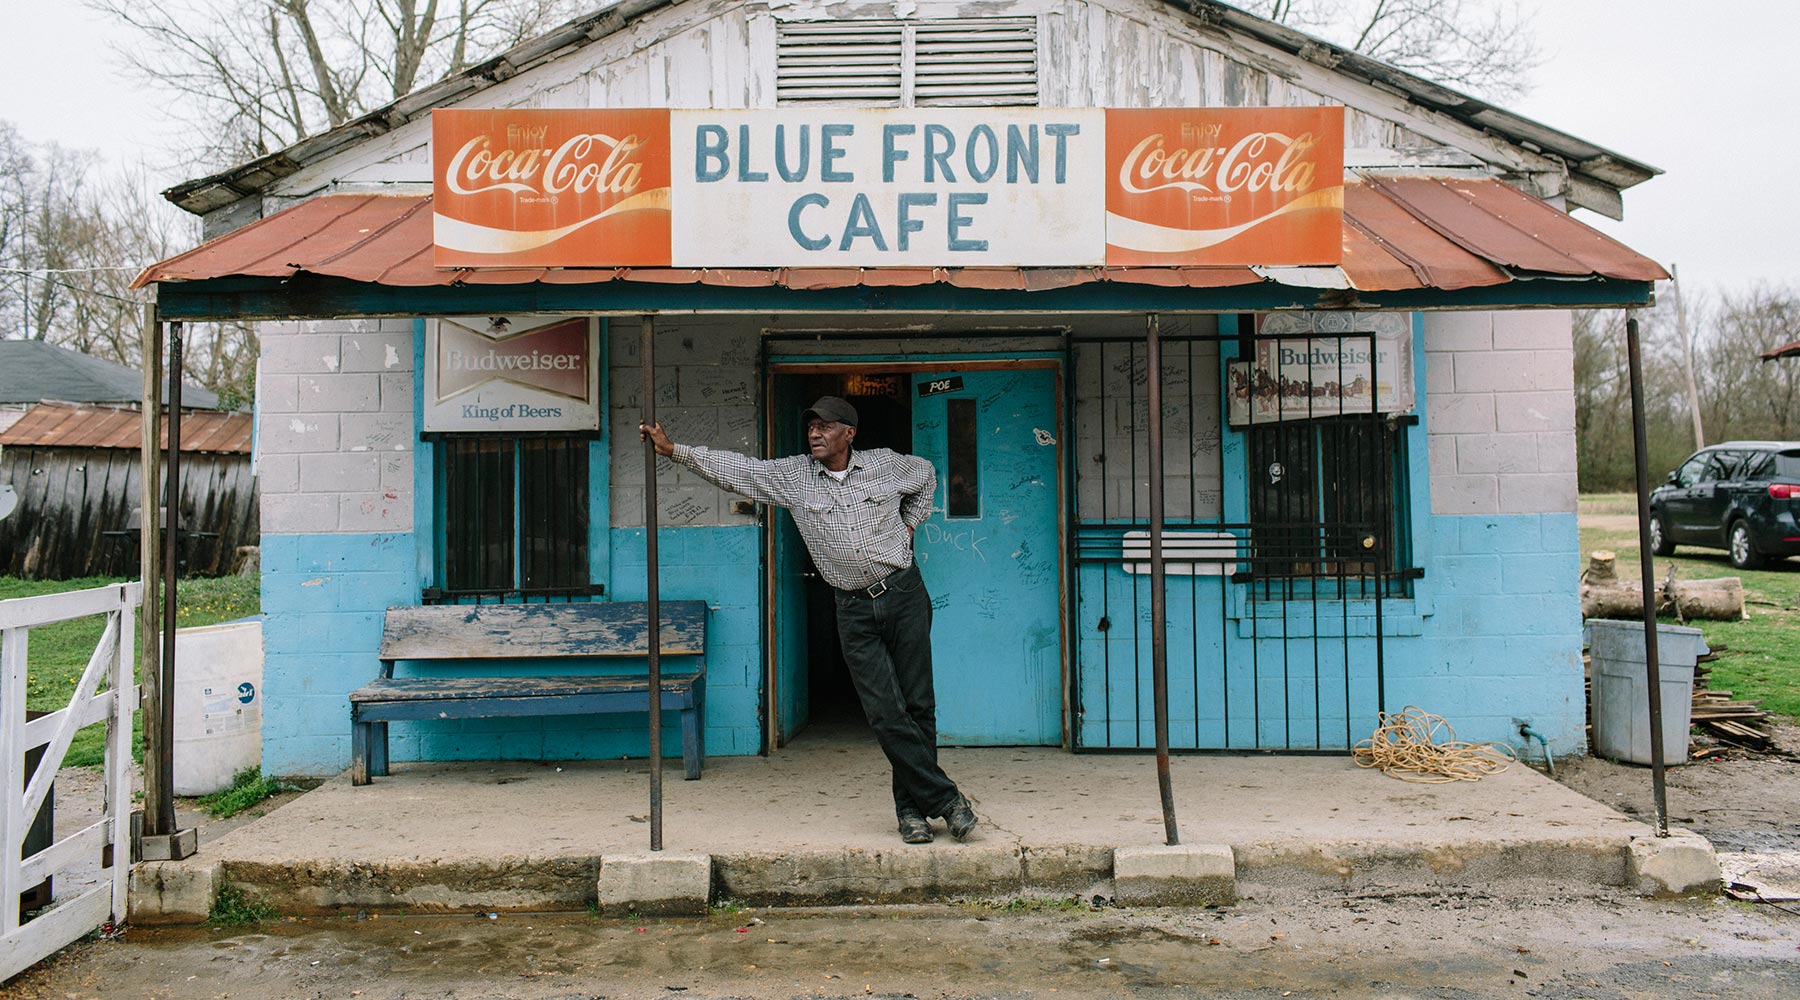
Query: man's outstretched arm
{"points": [[756, 478]]}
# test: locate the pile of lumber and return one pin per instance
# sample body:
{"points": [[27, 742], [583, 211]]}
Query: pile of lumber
{"points": [[1739, 723]]}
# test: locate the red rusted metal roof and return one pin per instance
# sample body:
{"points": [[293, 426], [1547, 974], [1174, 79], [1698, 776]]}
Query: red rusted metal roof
{"points": [[1400, 233], [64, 425]]}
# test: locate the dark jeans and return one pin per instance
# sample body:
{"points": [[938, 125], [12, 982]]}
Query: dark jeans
{"points": [[887, 647]]}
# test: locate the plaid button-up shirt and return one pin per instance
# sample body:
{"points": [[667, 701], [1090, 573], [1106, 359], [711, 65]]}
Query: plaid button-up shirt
{"points": [[860, 530]]}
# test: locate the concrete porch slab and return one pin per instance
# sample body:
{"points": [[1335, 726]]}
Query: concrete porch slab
{"points": [[814, 824]]}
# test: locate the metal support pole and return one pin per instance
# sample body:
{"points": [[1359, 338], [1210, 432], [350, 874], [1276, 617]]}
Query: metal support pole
{"points": [[652, 590], [1647, 558], [159, 816], [171, 540], [1159, 601]]}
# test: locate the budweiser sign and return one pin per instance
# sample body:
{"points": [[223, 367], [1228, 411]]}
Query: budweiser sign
{"points": [[511, 373], [1225, 186], [529, 188]]}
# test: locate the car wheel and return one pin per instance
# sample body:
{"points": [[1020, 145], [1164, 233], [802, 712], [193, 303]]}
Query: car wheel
{"points": [[1659, 539], [1742, 550]]}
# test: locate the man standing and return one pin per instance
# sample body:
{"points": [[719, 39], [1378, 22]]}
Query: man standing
{"points": [[857, 514]]}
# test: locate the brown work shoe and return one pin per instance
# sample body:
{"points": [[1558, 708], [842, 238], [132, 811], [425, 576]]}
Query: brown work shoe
{"points": [[960, 818], [913, 828]]}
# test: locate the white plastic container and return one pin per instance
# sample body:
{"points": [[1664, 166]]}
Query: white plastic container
{"points": [[1621, 693], [218, 704]]}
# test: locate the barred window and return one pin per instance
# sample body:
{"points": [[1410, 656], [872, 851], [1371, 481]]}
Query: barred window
{"points": [[515, 517], [1328, 501]]}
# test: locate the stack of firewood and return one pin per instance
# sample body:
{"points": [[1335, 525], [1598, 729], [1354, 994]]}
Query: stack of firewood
{"points": [[1739, 723]]}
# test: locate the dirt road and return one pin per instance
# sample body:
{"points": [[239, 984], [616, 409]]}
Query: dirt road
{"points": [[1437, 945]]}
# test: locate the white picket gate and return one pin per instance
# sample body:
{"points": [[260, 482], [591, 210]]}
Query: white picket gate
{"points": [[23, 945]]}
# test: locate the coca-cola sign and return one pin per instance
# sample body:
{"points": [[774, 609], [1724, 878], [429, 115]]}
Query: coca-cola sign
{"points": [[1261, 186], [889, 187], [522, 188]]}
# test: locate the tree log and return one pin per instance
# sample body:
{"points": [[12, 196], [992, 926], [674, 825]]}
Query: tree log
{"points": [[1720, 599]]}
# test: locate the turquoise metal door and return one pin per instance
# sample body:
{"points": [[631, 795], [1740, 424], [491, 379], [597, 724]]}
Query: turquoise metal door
{"points": [[989, 553]]}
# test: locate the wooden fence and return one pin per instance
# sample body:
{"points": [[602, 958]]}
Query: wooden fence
{"points": [[75, 509]]}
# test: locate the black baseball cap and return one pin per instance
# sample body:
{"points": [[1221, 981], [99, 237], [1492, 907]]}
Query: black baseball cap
{"points": [[831, 408]]}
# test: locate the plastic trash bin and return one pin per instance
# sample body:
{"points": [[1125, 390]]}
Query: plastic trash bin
{"points": [[1621, 688]]}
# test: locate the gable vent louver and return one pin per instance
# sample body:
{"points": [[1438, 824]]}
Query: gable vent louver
{"points": [[950, 63]]}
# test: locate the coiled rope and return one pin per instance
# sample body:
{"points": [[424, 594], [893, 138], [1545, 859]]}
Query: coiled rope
{"points": [[1414, 745]]}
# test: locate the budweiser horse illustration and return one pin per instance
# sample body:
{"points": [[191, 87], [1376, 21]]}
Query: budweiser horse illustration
{"points": [[533, 188], [1224, 186]]}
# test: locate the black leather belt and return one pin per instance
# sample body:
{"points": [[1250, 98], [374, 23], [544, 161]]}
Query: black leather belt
{"points": [[880, 586]]}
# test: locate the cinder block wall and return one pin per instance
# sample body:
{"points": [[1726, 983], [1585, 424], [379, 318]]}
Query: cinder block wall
{"points": [[1504, 636], [335, 455]]}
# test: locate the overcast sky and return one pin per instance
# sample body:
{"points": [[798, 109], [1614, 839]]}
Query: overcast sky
{"points": [[1712, 100]]}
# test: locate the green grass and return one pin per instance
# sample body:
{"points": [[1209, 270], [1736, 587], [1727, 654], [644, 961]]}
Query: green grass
{"points": [[248, 787], [231, 908], [1762, 660], [58, 653]]}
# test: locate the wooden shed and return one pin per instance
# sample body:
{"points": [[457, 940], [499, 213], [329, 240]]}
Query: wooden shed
{"points": [[76, 470]]}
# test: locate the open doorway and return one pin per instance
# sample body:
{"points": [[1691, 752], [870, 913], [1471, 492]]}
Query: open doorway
{"points": [[990, 553], [813, 685]]}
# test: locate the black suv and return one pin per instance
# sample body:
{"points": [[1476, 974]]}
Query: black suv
{"points": [[1740, 496]]}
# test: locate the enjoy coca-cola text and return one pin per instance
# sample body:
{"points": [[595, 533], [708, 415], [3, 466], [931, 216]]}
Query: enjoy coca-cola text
{"points": [[1259, 161], [589, 161]]}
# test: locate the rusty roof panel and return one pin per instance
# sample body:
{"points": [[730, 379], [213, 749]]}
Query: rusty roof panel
{"points": [[737, 278], [62, 425], [900, 277], [1400, 232], [1391, 235], [815, 278]]}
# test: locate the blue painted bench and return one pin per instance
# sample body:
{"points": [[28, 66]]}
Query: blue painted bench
{"points": [[447, 633]]}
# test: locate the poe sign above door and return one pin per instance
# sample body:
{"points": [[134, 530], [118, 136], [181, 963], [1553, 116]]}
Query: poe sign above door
{"points": [[1017, 187]]}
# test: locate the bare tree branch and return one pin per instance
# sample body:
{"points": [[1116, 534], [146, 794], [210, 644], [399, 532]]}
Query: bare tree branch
{"points": [[1484, 46], [256, 75]]}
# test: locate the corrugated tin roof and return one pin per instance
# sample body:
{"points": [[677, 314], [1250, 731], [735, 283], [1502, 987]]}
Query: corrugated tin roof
{"points": [[32, 371], [1400, 233], [59, 425], [1595, 163]]}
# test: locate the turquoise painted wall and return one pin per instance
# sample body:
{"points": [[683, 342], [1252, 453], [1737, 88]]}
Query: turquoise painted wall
{"points": [[1492, 635], [323, 597]]}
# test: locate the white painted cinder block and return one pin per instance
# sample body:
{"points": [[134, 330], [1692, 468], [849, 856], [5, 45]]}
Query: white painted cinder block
{"points": [[391, 510], [297, 433], [1478, 454], [1533, 330], [1556, 451], [299, 513], [1460, 413], [1539, 493], [1465, 495], [1440, 372], [1534, 411], [1488, 371], [1440, 455], [377, 351], [358, 392], [1459, 331], [337, 472]]}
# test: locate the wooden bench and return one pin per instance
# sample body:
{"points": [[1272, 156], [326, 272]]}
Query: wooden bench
{"points": [[447, 633]]}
